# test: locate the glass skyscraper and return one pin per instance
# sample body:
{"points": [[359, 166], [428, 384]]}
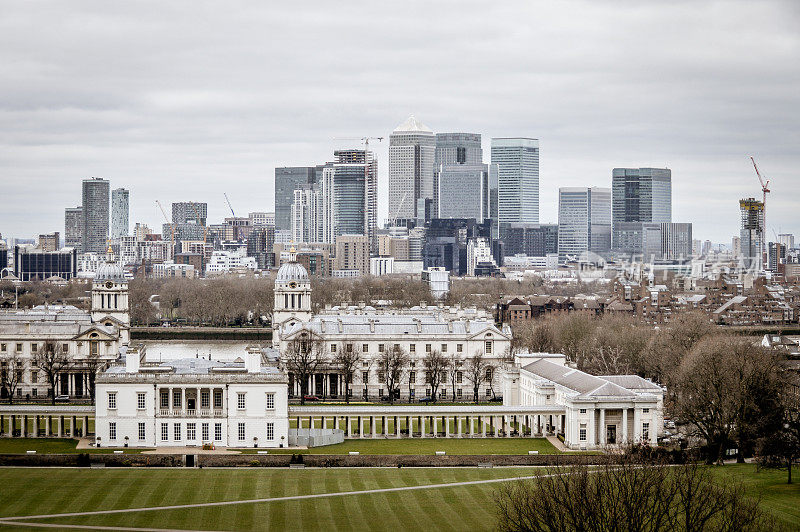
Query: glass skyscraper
{"points": [[95, 195], [517, 161], [412, 149], [119, 212], [584, 221], [639, 196]]}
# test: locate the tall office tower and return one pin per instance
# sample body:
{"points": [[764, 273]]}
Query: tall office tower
{"points": [[752, 222], [670, 241], [517, 161], [787, 239], [305, 209], [287, 180], [50, 241], [412, 151], [531, 240], [639, 196], [463, 191], [73, 228], [119, 212], [584, 220], [95, 215], [458, 148], [352, 186]]}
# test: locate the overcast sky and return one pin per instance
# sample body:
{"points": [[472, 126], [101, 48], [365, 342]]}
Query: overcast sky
{"points": [[185, 100]]}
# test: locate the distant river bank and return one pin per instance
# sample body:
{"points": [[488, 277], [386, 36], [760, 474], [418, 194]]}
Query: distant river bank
{"points": [[224, 350]]}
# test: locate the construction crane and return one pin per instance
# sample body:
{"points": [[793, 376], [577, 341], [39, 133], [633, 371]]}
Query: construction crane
{"points": [[171, 226], [764, 191], [229, 204]]}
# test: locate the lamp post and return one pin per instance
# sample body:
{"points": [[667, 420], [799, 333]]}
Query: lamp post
{"points": [[255, 441]]}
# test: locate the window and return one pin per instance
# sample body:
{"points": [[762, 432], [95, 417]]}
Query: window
{"points": [[217, 431], [333, 348], [164, 399], [34, 392], [140, 400], [412, 393], [204, 431], [444, 348], [645, 410], [176, 399], [381, 348], [381, 377], [427, 377], [141, 432], [3, 348], [443, 393], [380, 391], [34, 377], [488, 349], [459, 348], [176, 431], [165, 432], [365, 377], [112, 400], [412, 377], [34, 348], [65, 348], [112, 431], [270, 401], [582, 433], [583, 410], [19, 348], [412, 348], [270, 431], [205, 399], [459, 377], [489, 374], [217, 398], [241, 400], [191, 431], [458, 393], [645, 431], [488, 392], [427, 348], [365, 348], [241, 431]]}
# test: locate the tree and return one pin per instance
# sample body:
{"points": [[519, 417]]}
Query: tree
{"points": [[729, 389], [393, 362], [627, 493], [52, 360], [347, 358], [435, 364], [11, 375], [93, 363], [781, 448], [302, 357], [455, 364], [476, 372]]}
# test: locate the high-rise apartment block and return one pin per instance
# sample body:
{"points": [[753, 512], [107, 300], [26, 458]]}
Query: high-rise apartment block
{"points": [[96, 198], [306, 226], [73, 228], [188, 221], [787, 239], [584, 221], [752, 224], [639, 196], [50, 241], [352, 254], [517, 161], [120, 224], [412, 152]]}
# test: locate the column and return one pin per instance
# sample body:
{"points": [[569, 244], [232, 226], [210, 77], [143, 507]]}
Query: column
{"points": [[624, 425], [637, 424], [60, 426], [482, 425], [471, 423], [509, 425], [360, 427], [602, 435], [435, 426], [373, 421], [36, 426], [183, 401], [396, 427], [458, 426], [85, 426]]}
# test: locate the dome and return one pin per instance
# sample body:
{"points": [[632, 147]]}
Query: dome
{"points": [[109, 271], [291, 271]]}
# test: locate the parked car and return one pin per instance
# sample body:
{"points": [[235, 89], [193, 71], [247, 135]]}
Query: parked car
{"points": [[62, 398], [496, 399], [426, 399], [310, 398]]}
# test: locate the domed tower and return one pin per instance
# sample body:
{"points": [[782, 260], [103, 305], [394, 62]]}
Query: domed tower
{"points": [[292, 294], [110, 298]]}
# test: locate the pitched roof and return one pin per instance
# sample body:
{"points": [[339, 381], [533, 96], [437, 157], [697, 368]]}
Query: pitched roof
{"points": [[585, 385], [412, 124], [392, 325]]}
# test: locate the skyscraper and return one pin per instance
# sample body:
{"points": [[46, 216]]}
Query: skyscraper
{"points": [[463, 191], [458, 148], [752, 222], [639, 196], [95, 196], [584, 220], [787, 239], [119, 212], [517, 161], [305, 224], [73, 228], [355, 195], [412, 151], [287, 180], [671, 241], [188, 221]]}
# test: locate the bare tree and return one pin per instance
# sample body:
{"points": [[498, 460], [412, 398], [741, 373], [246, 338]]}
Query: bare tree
{"points": [[455, 365], [346, 359], [52, 360], [93, 364], [436, 365], [781, 448], [476, 372], [394, 361], [302, 357], [11, 374], [627, 493]]}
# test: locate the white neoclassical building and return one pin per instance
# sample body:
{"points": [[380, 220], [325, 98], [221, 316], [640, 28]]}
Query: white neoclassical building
{"points": [[192, 402], [418, 331], [90, 338], [611, 410]]}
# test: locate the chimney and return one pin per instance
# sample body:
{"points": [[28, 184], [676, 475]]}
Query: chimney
{"points": [[132, 362], [253, 363]]}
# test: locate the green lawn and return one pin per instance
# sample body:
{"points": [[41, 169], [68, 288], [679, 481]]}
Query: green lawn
{"points": [[50, 446], [430, 446], [48, 491]]}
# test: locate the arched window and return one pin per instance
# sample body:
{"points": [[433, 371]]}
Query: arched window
{"points": [[285, 300]]}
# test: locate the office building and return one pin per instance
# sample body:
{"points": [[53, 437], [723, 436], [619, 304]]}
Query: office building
{"points": [[260, 245], [262, 218], [188, 222], [777, 257], [412, 152], [531, 240], [787, 240], [355, 195], [34, 263], [287, 180], [479, 258], [3, 258], [446, 241], [119, 212], [458, 148], [73, 228], [95, 195], [668, 241], [463, 191], [639, 196], [752, 223], [50, 242], [584, 221], [352, 254], [517, 161]]}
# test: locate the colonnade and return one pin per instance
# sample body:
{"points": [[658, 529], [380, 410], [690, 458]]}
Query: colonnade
{"points": [[34, 425]]}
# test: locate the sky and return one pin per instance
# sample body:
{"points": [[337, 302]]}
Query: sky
{"points": [[187, 100]]}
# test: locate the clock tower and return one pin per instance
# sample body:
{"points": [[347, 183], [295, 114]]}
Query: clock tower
{"points": [[292, 295]]}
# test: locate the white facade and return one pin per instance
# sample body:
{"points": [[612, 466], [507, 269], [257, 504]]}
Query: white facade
{"points": [[478, 250], [192, 402], [517, 161], [412, 151], [600, 412], [381, 266], [438, 278], [225, 261]]}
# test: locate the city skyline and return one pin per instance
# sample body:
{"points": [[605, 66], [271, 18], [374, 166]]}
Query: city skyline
{"points": [[178, 132]]}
